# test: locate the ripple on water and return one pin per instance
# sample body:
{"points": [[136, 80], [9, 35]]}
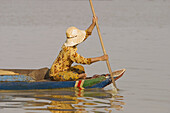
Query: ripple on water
{"points": [[63, 100]]}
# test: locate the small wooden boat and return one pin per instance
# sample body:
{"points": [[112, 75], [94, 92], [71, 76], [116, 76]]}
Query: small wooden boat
{"points": [[25, 80]]}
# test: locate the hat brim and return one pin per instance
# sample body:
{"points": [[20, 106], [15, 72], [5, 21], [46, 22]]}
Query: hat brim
{"points": [[81, 35]]}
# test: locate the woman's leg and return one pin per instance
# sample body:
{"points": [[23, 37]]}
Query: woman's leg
{"points": [[78, 69], [74, 73]]}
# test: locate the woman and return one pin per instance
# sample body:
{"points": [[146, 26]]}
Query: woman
{"points": [[61, 70]]}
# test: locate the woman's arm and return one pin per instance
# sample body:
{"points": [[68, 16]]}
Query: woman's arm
{"points": [[91, 27], [102, 58]]}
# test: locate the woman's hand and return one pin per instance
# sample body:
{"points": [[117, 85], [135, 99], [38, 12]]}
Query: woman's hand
{"points": [[104, 58], [95, 19]]}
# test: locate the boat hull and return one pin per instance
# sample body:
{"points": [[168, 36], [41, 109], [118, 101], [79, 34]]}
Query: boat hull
{"points": [[96, 82]]}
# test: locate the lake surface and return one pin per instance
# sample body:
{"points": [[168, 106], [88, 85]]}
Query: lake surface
{"points": [[63, 100], [136, 37]]}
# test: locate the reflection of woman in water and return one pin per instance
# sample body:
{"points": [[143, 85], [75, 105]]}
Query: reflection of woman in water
{"points": [[65, 105], [73, 104]]}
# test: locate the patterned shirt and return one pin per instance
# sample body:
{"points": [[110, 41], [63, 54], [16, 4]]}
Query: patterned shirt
{"points": [[66, 57]]}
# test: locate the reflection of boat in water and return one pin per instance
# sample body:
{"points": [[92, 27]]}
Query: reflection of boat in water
{"points": [[79, 105], [26, 81], [63, 100], [80, 101]]}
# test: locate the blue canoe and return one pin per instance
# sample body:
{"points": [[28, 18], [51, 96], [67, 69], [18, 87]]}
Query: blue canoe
{"points": [[25, 82]]}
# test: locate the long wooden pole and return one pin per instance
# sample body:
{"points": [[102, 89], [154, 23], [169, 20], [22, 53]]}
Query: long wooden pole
{"points": [[104, 51]]}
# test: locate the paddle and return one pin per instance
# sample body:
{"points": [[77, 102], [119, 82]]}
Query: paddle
{"points": [[104, 51]]}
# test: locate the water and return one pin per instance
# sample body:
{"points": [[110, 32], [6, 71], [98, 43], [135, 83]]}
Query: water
{"points": [[136, 37], [63, 100]]}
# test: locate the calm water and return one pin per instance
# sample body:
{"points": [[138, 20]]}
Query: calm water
{"points": [[65, 100], [136, 37]]}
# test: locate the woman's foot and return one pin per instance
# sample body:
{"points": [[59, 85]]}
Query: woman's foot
{"points": [[83, 75]]}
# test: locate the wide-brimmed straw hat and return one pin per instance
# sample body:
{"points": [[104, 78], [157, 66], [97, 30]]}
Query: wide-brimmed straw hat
{"points": [[74, 36]]}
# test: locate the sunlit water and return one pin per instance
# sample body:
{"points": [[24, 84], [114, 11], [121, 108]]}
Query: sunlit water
{"points": [[136, 37]]}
